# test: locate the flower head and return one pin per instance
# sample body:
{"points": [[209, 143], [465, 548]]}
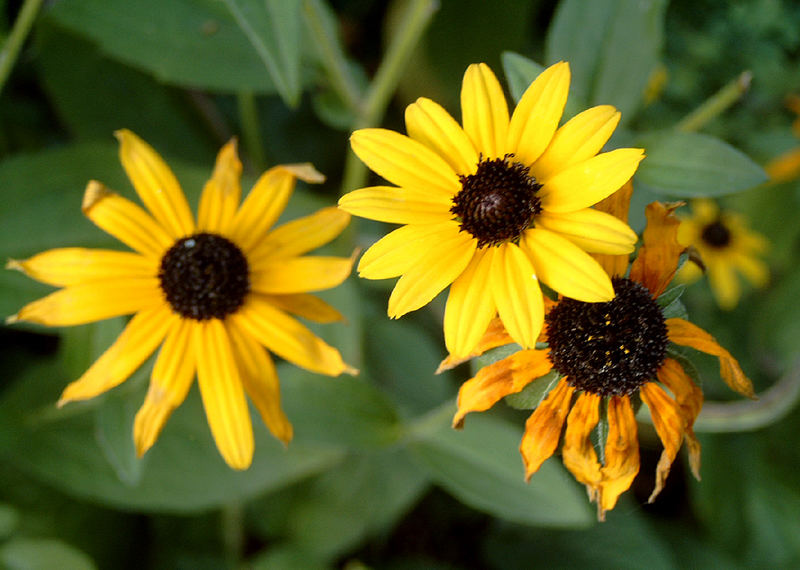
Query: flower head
{"points": [[604, 356], [494, 206], [726, 248], [215, 294]]}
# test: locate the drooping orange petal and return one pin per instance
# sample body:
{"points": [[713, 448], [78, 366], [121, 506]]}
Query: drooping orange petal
{"points": [[690, 401], [669, 424], [543, 428], [495, 335], [617, 205], [578, 453], [685, 333], [621, 454], [657, 261], [504, 377]]}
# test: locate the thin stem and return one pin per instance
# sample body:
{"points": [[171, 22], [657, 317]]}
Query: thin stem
{"points": [[413, 23], [10, 51], [716, 104], [249, 123]]}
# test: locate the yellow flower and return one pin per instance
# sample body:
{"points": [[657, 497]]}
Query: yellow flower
{"points": [[494, 207], [213, 294], [786, 167], [604, 355], [726, 247]]}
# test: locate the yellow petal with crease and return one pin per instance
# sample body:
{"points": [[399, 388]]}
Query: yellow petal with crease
{"points": [[469, 309], [222, 393], [170, 381], [591, 230], [538, 113], [222, 193], [306, 306], [517, 294], [260, 380], [400, 250], [141, 337], [543, 428], [90, 302], [437, 268], [300, 274], [428, 123], [156, 184], [669, 425], [405, 162], [484, 111], [124, 220], [301, 235], [582, 137], [74, 265], [567, 268], [616, 205], [588, 182], [397, 205]]}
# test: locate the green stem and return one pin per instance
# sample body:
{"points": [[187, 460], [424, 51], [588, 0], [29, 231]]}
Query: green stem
{"points": [[716, 104], [232, 529], [10, 51], [249, 123], [412, 25]]}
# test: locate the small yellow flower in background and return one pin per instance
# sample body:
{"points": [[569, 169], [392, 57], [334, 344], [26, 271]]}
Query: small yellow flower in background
{"points": [[727, 248], [212, 294], [607, 354], [495, 206], [786, 167]]}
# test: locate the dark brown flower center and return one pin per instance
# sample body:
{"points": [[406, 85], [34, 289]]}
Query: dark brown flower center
{"points": [[611, 348], [498, 202], [204, 276], [716, 234]]}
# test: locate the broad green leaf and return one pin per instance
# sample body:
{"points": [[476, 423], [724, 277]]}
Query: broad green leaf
{"points": [[612, 47], [9, 520], [694, 164], [192, 43], [481, 466], [41, 553]]}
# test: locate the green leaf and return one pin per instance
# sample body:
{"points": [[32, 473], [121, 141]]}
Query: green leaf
{"points": [[532, 395], [41, 553], [670, 303], [9, 520], [612, 47], [192, 43], [482, 467], [694, 164]]}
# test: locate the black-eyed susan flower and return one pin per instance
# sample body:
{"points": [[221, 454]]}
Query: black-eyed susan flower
{"points": [[726, 247], [215, 294], [606, 356], [493, 207]]}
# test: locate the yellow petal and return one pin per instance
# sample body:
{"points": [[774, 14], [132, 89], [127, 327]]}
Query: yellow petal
{"points": [[397, 205], [223, 395], [517, 294], [260, 380], [657, 260], [579, 139], [621, 454], [784, 167], [405, 162], [543, 428], [484, 111], [685, 333], [689, 399], [399, 250], [140, 338], [469, 309], [300, 274], [567, 268], [306, 306], [90, 302], [669, 425], [437, 268], [495, 335], [578, 454], [156, 184], [301, 235], [74, 265], [755, 270], [169, 383], [498, 380], [222, 193], [538, 113], [591, 230], [723, 281], [287, 338], [428, 123], [588, 182], [266, 201], [125, 221], [616, 205]]}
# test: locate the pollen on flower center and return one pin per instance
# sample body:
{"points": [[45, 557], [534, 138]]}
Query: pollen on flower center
{"points": [[716, 234], [498, 202], [204, 276], [610, 348]]}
